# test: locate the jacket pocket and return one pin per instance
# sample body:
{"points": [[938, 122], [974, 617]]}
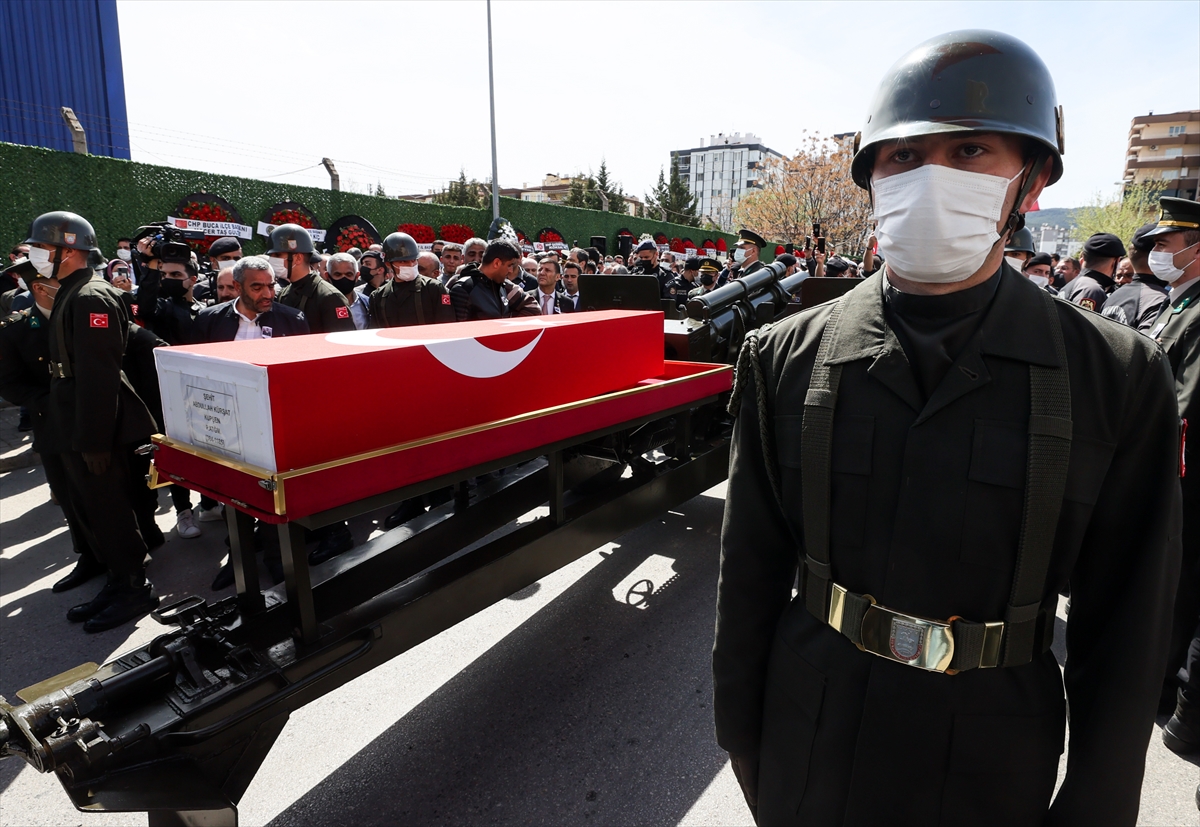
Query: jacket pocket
{"points": [[995, 494], [792, 704], [1002, 769]]}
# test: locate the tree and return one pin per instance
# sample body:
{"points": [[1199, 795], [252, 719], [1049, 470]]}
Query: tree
{"points": [[812, 186], [379, 190], [583, 193], [1121, 215], [461, 193], [673, 198], [616, 195]]}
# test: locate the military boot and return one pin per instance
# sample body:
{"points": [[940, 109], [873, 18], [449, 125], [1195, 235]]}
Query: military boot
{"points": [[1181, 735], [126, 603], [85, 611]]}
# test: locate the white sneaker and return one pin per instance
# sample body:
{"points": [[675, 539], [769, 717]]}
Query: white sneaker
{"points": [[185, 525], [211, 515]]}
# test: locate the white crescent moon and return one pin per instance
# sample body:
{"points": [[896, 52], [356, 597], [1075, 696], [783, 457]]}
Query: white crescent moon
{"points": [[466, 356]]}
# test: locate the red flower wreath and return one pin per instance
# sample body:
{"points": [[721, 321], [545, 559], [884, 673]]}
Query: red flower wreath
{"points": [[291, 217], [676, 245], [778, 249], [353, 236], [204, 211], [421, 233], [550, 237], [688, 244], [660, 238], [457, 233], [721, 246]]}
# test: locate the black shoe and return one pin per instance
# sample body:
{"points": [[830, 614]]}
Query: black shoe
{"points": [[224, 578], [1181, 735], [85, 611], [24, 423], [85, 569], [337, 541], [405, 512], [126, 604]]}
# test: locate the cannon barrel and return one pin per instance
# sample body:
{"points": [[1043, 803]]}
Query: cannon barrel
{"points": [[706, 307]]}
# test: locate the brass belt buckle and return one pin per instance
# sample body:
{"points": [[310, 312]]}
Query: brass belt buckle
{"points": [[914, 641]]}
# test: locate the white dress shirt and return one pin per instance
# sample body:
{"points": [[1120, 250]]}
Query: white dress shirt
{"points": [[247, 328]]}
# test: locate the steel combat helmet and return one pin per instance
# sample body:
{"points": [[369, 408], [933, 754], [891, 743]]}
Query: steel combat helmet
{"points": [[400, 247], [1021, 242], [966, 81], [63, 229], [290, 238]]}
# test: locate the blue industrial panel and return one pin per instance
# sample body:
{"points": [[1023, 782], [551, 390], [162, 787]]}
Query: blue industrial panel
{"points": [[56, 54]]}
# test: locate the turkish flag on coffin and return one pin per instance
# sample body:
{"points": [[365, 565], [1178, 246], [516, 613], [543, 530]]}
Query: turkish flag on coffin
{"points": [[288, 403]]}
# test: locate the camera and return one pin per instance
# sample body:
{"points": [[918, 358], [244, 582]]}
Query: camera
{"points": [[167, 243]]}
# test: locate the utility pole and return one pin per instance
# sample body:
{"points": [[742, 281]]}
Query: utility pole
{"points": [[492, 100], [335, 181], [78, 136]]}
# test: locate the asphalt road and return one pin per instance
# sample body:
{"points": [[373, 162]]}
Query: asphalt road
{"points": [[586, 698]]}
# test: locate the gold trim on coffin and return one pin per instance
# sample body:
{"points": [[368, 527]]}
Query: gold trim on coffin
{"points": [[279, 478]]}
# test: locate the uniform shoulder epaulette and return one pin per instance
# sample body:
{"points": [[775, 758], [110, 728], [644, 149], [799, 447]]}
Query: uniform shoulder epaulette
{"points": [[14, 316]]}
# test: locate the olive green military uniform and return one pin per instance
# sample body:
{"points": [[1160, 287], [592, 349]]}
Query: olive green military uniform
{"points": [[403, 303], [925, 514], [320, 302], [95, 410]]}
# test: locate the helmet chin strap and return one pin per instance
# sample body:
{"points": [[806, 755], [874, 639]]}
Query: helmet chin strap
{"points": [[56, 260], [1016, 220]]}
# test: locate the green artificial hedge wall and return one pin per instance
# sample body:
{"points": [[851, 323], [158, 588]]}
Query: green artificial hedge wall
{"points": [[118, 196]]}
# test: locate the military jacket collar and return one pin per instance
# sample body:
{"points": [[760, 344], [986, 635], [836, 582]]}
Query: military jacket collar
{"points": [[1104, 281], [1012, 328]]}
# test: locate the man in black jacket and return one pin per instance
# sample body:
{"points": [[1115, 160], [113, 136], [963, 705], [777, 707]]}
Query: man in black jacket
{"points": [[407, 298], [1139, 302], [292, 257], [484, 291], [98, 412], [254, 314]]}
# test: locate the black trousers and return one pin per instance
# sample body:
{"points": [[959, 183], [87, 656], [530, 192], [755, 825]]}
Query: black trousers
{"points": [[106, 513], [56, 478], [1185, 635]]}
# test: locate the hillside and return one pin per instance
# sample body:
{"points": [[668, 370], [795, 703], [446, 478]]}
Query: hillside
{"points": [[1058, 216]]}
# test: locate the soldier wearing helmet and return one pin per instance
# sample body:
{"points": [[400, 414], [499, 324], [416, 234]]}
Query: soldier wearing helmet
{"points": [[94, 412], [293, 258], [407, 298], [1019, 248], [942, 450]]}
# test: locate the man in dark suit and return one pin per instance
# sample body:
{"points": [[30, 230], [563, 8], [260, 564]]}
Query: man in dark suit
{"points": [[254, 314], [570, 283], [547, 297]]}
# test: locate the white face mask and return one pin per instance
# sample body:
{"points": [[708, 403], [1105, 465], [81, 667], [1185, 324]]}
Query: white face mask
{"points": [[40, 259], [405, 273], [1014, 263], [279, 268], [937, 224], [225, 265], [124, 254], [1040, 281], [739, 255], [1162, 264]]}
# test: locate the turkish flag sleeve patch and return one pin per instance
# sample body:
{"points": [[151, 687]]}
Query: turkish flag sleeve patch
{"points": [[343, 312], [98, 319], [445, 298]]}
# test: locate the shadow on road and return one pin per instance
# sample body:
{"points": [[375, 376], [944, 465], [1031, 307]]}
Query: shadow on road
{"points": [[597, 708]]}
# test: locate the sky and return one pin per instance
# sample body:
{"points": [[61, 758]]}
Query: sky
{"points": [[396, 93]]}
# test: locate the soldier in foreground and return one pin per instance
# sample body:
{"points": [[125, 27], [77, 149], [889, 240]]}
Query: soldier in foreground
{"points": [[98, 413], [942, 450]]}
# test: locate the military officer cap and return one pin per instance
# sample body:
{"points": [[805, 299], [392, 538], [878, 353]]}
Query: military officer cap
{"points": [[1142, 241], [1040, 258], [837, 265], [224, 245], [787, 259], [1176, 215], [648, 244], [692, 264], [22, 268], [751, 237], [1103, 245], [710, 264]]}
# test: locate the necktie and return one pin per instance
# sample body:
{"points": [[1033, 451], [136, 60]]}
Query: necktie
{"points": [[547, 305]]}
